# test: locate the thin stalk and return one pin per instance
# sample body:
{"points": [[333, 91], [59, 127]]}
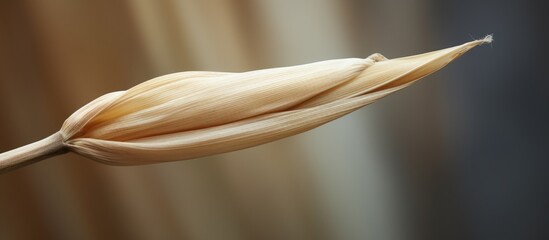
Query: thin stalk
{"points": [[31, 153]]}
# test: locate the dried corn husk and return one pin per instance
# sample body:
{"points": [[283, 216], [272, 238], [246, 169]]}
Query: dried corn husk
{"points": [[193, 114]]}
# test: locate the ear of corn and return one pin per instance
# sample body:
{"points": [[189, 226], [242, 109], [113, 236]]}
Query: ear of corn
{"points": [[192, 114]]}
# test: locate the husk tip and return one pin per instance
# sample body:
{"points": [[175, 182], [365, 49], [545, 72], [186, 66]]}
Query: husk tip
{"points": [[467, 46], [488, 39]]}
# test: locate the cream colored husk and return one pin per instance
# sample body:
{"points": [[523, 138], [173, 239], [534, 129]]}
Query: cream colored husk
{"points": [[193, 114]]}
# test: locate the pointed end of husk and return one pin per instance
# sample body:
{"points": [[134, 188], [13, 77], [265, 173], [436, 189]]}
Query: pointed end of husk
{"points": [[488, 39], [400, 71], [390, 73]]}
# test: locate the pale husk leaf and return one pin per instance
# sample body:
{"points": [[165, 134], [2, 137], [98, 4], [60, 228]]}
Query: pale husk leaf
{"points": [[194, 114]]}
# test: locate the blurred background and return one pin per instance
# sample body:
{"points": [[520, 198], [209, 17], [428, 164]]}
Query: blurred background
{"points": [[460, 155]]}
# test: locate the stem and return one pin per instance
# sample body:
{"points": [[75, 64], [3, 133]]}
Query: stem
{"points": [[31, 153]]}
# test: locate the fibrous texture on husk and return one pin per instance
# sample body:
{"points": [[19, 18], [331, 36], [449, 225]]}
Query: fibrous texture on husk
{"points": [[193, 114]]}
